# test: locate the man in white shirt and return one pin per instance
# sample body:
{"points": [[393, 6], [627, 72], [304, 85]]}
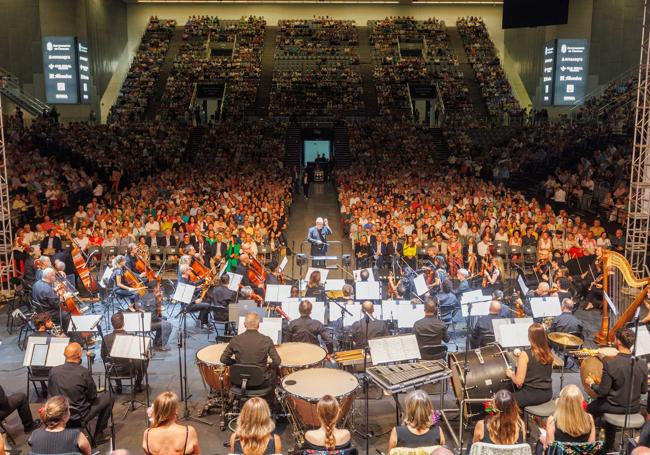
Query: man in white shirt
{"points": [[560, 195], [152, 224]]}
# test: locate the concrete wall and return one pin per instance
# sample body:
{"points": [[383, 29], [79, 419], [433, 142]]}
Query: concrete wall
{"points": [[138, 14], [20, 42], [613, 28]]}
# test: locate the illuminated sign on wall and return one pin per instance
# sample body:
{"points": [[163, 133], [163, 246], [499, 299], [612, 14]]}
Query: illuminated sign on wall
{"points": [[548, 73], [564, 71], [66, 65]]}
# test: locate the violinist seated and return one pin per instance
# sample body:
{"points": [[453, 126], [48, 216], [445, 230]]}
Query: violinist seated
{"points": [[275, 277], [119, 284], [244, 268], [543, 290], [316, 289], [595, 294], [307, 330], [447, 298], [222, 296], [196, 304], [463, 283]]}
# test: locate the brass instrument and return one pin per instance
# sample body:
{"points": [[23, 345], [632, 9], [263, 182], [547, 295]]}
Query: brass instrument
{"points": [[615, 261]]}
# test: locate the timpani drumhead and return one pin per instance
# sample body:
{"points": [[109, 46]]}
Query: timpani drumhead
{"points": [[312, 384], [300, 354], [211, 354]]}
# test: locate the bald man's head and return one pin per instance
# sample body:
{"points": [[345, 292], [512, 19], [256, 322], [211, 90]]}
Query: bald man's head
{"points": [[72, 353], [252, 321], [495, 307], [368, 307]]}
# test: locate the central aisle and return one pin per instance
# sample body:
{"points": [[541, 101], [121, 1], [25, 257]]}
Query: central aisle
{"points": [[323, 201]]}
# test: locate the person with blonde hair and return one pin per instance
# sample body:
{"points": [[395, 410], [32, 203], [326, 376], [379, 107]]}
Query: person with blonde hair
{"points": [[570, 423], [327, 436], [534, 368], [53, 437], [505, 427], [166, 436], [419, 429], [254, 434]]}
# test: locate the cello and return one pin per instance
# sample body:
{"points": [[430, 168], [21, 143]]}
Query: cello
{"points": [[142, 266], [81, 266], [256, 273]]}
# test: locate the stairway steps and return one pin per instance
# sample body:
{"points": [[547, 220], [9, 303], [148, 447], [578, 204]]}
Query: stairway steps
{"points": [[194, 142], [263, 97], [469, 77], [165, 70]]}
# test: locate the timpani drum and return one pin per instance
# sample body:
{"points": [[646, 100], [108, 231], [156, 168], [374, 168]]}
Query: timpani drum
{"points": [[304, 388], [297, 356], [486, 375], [593, 367], [214, 373]]}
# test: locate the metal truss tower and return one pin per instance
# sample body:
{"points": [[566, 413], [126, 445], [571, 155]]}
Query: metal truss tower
{"points": [[638, 219], [6, 237]]}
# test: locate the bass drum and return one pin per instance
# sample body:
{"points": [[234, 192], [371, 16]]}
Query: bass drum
{"points": [[486, 375]]}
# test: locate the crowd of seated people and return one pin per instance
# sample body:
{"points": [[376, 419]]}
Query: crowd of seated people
{"points": [[316, 69], [140, 82], [236, 60], [614, 106], [495, 87], [393, 191], [409, 51], [319, 37]]}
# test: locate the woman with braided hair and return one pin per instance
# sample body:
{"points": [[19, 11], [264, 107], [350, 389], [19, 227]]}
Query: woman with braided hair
{"points": [[327, 437]]}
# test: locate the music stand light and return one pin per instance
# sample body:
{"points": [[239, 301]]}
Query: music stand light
{"points": [[346, 259], [301, 259]]}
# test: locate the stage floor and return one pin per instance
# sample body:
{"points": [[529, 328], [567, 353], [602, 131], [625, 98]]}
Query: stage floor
{"points": [[164, 375]]}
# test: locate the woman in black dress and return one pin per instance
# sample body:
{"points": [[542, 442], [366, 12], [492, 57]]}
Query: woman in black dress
{"points": [[315, 288], [534, 368], [419, 429], [327, 437], [505, 427], [570, 423], [54, 437]]}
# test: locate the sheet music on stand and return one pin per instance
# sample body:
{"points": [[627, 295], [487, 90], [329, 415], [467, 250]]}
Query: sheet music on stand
{"points": [[290, 307], [45, 351], [521, 281], [393, 349], [354, 308], [242, 308], [356, 274], [543, 307], [235, 280], [420, 283], [84, 323], [390, 310], [271, 327], [277, 292], [334, 284], [106, 276], [131, 347], [478, 308], [368, 290], [184, 293], [408, 313], [642, 343], [222, 270], [512, 333], [137, 322], [323, 273], [283, 264]]}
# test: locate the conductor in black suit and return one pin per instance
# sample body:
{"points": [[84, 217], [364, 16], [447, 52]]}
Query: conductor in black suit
{"points": [[317, 236]]}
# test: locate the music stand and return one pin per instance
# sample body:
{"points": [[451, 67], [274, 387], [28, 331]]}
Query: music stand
{"points": [[139, 322], [271, 327], [235, 280], [45, 351], [291, 308], [132, 347], [86, 323], [323, 273], [512, 333], [349, 313], [420, 284], [544, 307], [368, 290], [394, 349], [277, 292]]}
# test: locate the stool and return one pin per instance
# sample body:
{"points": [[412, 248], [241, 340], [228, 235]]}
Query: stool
{"points": [[634, 421], [543, 410]]}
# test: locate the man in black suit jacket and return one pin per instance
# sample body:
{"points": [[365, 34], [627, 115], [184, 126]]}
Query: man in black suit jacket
{"points": [[51, 244], [395, 247], [221, 298], [566, 322], [219, 249], [380, 250], [375, 327], [430, 330], [251, 347], [121, 366], [614, 388], [167, 240], [483, 333]]}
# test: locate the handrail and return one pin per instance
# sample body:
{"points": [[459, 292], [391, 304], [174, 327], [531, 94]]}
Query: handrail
{"points": [[600, 89]]}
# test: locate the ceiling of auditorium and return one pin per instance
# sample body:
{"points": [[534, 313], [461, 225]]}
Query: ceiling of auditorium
{"points": [[441, 2]]}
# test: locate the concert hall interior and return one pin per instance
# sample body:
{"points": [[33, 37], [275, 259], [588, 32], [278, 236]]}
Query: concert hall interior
{"points": [[324, 227]]}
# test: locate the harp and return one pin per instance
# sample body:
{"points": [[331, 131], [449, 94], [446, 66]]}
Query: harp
{"points": [[626, 291]]}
